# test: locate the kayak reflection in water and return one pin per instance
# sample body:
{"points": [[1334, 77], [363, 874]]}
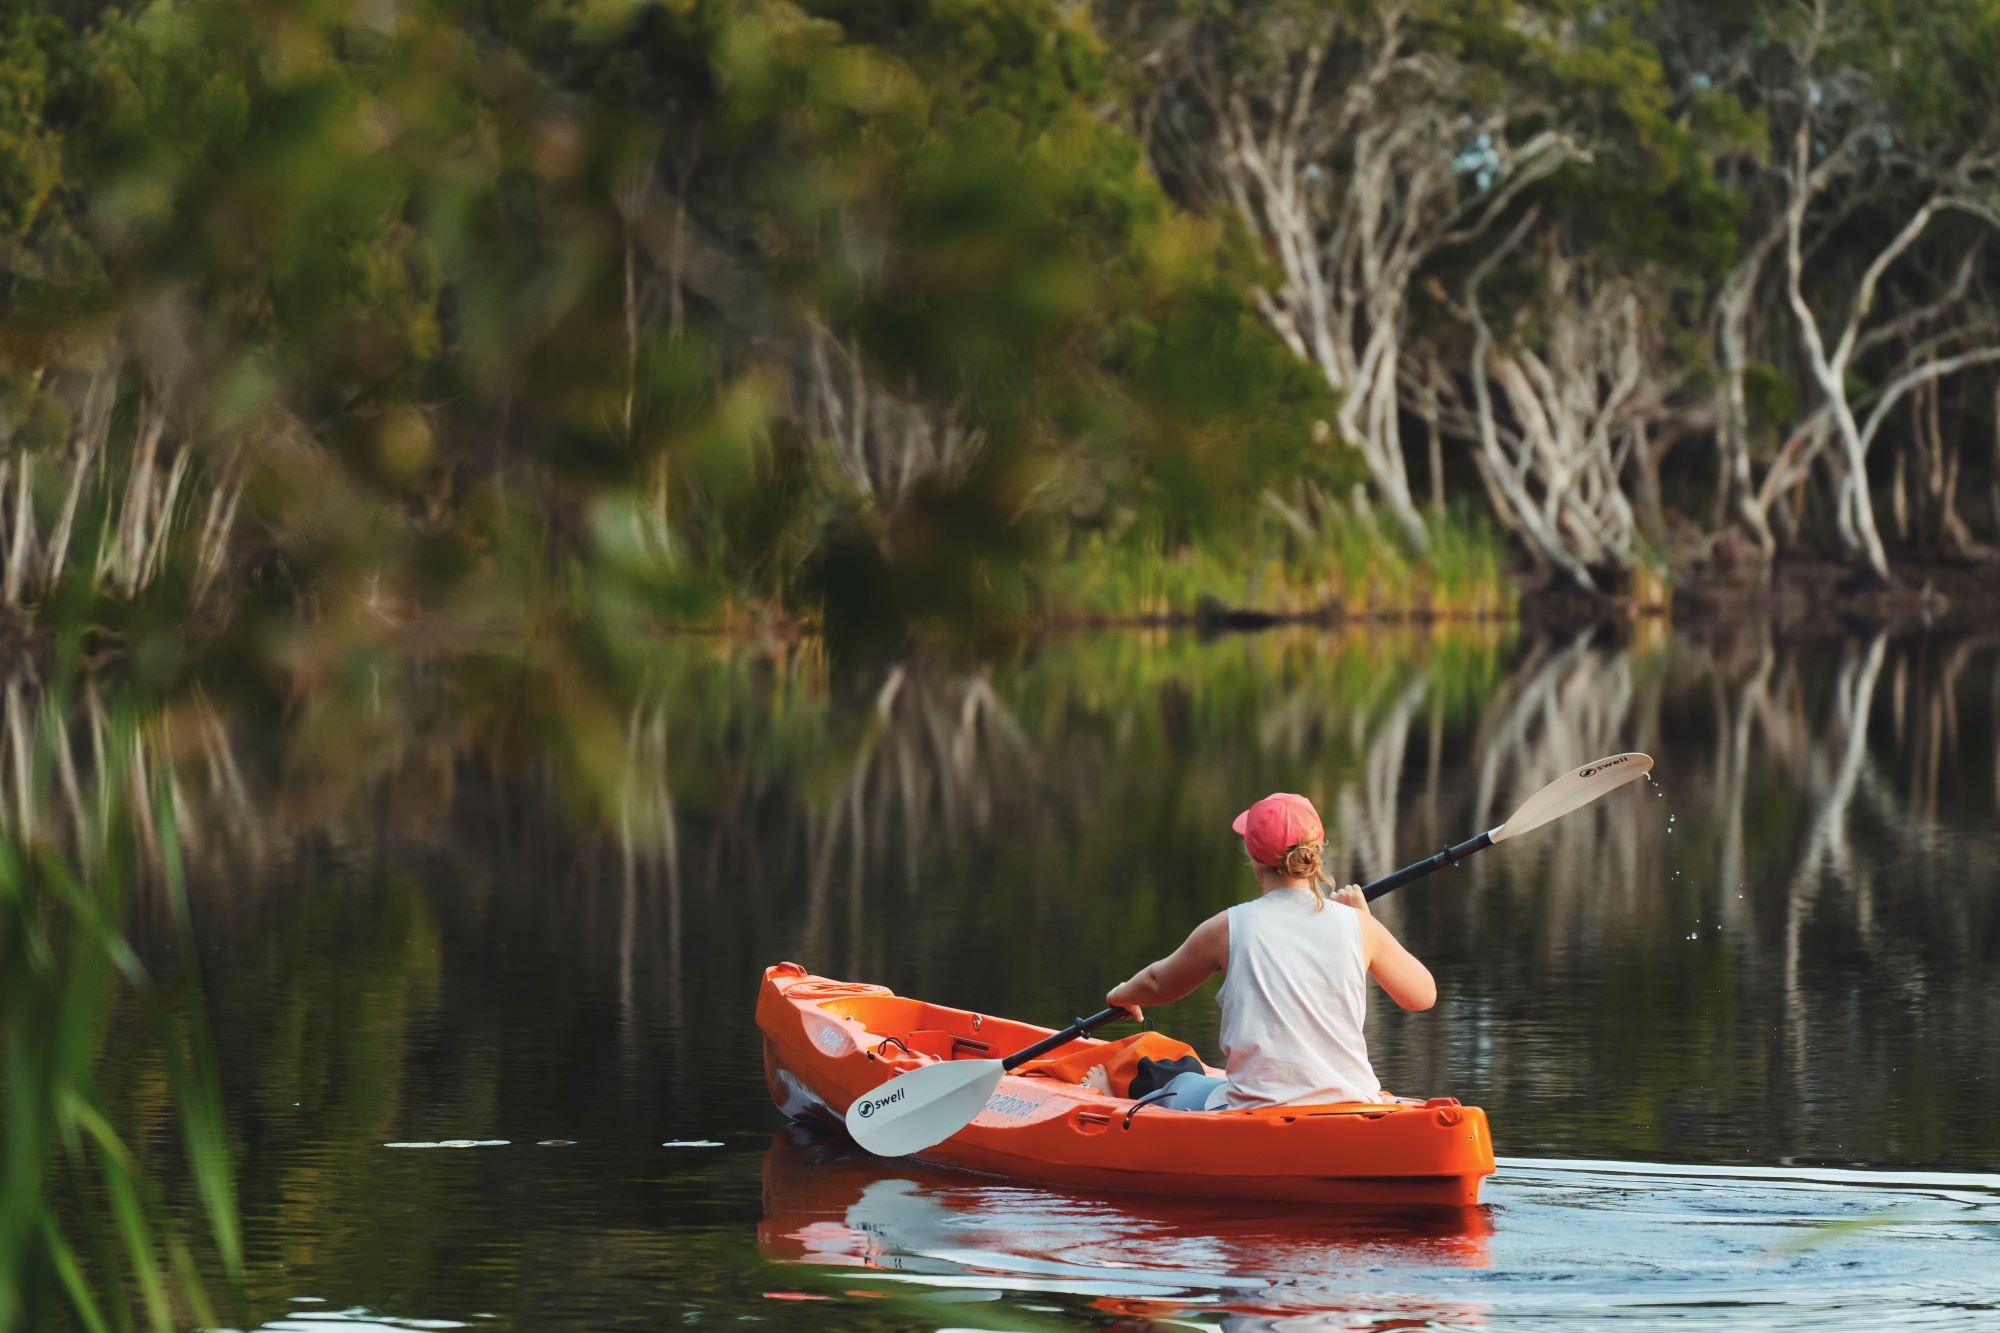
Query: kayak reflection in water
{"points": [[843, 1224], [1295, 992]]}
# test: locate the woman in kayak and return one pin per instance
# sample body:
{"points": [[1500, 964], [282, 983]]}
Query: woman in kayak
{"points": [[1296, 985]]}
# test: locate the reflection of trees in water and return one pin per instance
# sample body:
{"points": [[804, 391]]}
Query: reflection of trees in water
{"points": [[1835, 767], [806, 842], [940, 754], [874, 796], [1025, 831], [1568, 703], [50, 765], [1822, 882], [853, 797]]}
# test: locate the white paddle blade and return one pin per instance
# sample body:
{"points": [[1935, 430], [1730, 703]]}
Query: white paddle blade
{"points": [[925, 1106], [1573, 790]]}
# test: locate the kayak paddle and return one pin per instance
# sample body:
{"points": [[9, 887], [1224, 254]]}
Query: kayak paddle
{"points": [[929, 1104]]}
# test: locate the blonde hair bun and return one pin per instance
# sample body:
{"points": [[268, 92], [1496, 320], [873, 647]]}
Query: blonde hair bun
{"points": [[1303, 861]]}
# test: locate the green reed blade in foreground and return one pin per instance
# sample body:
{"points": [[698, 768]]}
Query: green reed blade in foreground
{"points": [[84, 1234]]}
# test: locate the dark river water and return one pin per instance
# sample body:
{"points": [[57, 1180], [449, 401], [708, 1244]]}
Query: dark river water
{"points": [[1738, 1032]]}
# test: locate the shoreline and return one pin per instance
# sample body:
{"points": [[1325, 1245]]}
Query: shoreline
{"points": [[1810, 594], [1795, 592]]}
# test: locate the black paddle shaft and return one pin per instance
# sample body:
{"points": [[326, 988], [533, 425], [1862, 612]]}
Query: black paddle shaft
{"points": [[1450, 856], [1063, 1038]]}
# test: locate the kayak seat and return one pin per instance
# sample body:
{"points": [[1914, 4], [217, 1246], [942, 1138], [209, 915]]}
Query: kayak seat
{"points": [[1120, 1060]]}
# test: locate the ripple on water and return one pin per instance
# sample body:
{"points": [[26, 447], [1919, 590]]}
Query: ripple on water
{"points": [[1633, 1246], [319, 1321]]}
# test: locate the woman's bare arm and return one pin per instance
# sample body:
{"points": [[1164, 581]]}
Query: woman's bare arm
{"points": [[1180, 973], [1395, 969]]}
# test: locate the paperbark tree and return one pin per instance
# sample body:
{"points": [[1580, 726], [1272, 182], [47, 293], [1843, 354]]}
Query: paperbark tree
{"points": [[1354, 143], [1878, 132], [1557, 402]]}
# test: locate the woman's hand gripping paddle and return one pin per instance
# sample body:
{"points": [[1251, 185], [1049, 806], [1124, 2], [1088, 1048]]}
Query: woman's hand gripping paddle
{"points": [[927, 1105]]}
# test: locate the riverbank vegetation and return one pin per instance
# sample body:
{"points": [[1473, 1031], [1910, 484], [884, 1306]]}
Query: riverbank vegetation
{"points": [[440, 319]]}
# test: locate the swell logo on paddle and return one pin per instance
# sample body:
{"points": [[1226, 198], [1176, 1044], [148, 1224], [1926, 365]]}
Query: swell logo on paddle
{"points": [[869, 1108], [1595, 769]]}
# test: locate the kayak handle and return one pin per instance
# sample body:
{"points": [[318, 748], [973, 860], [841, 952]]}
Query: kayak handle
{"points": [[1063, 1038]]}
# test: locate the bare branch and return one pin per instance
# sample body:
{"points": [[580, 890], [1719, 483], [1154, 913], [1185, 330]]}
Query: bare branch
{"points": [[1923, 374]]}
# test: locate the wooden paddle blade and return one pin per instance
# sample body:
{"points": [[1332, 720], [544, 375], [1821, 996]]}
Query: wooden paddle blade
{"points": [[1576, 788], [923, 1107]]}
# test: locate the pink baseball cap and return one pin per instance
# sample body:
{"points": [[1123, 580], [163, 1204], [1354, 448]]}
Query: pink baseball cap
{"points": [[1276, 824]]}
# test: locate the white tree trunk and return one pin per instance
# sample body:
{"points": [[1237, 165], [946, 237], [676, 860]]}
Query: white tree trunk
{"points": [[1829, 368], [1732, 436], [1576, 387], [1352, 180]]}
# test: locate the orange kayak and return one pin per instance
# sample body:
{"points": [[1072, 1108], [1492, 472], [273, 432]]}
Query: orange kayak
{"points": [[827, 1042]]}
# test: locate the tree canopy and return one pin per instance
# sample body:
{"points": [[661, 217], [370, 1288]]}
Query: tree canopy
{"points": [[883, 313]]}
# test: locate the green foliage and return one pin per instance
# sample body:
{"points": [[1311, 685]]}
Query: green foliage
{"points": [[1647, 193], [1941, 75], [84, 1233], [470, 275], [42, 251], [32, 47], [1773, 399], [1306, 558]]}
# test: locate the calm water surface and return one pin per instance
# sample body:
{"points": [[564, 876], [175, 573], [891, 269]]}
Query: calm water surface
{"points": [[1737, 1032]]}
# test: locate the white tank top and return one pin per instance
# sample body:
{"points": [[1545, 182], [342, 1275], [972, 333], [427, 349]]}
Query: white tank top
{"points": [[1292, 1004]]}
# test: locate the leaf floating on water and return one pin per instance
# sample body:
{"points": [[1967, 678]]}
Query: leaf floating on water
{"points": [[454, 1143], [1823, 1233], [692, 1143]]}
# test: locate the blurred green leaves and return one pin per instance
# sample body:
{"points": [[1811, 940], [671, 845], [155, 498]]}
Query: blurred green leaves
{"points": [[439, 277]]}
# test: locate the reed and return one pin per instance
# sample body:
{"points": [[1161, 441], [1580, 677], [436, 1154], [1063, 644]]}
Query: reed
{"points": [[87, 1233], [104, 483]]}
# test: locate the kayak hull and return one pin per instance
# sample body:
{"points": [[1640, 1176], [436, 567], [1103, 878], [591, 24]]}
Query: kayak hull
{"points": [[827, 1042]]}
